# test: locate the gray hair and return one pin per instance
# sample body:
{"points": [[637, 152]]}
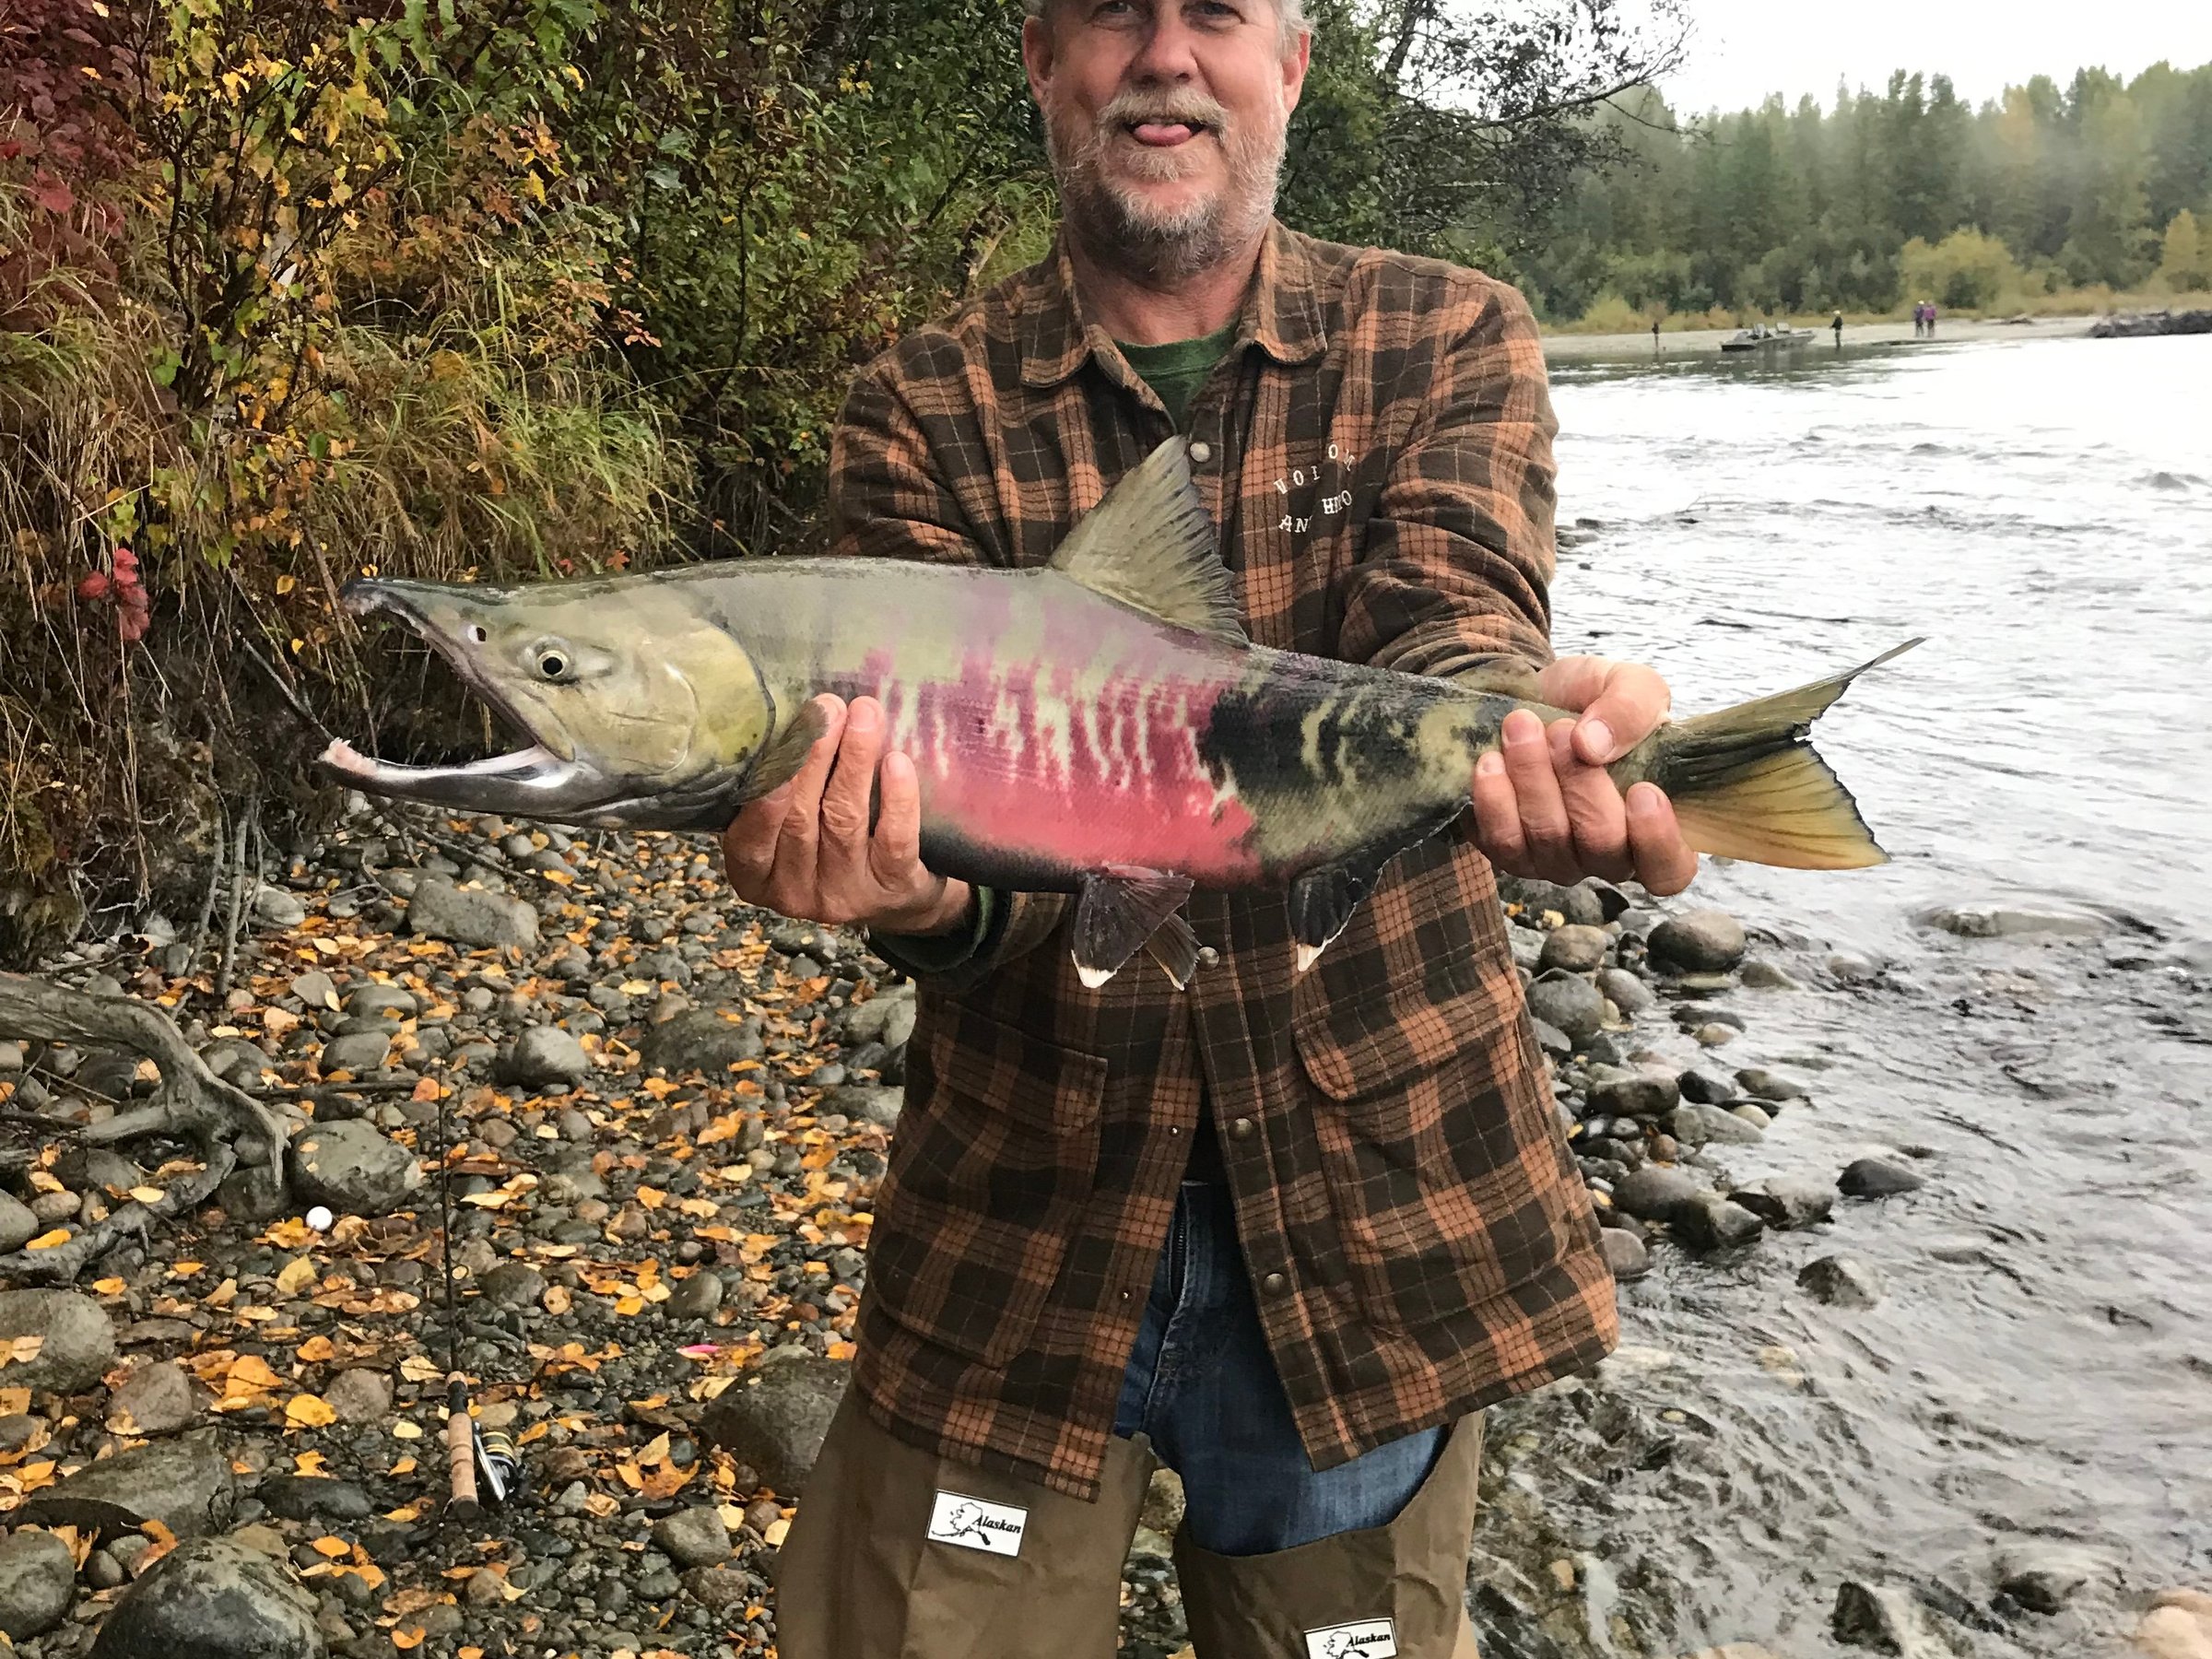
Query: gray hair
{"points": [[1292, 13]]}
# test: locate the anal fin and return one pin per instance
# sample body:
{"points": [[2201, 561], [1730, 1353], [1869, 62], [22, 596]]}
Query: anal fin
{"points": [[1122, 908], [1322, 900], [1175, 948]]}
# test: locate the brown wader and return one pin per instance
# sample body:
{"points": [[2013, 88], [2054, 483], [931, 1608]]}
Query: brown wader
{"points": [[898, 1553]]}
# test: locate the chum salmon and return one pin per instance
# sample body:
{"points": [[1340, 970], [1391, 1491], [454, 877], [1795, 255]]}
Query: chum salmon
{"points": [[1101, 725]]}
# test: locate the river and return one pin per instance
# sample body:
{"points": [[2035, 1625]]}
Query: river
{"points": [[2040, 1372]]}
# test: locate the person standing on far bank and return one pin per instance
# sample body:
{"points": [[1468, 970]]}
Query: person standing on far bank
{"points": [[1837, 326], [1287, 1232]]}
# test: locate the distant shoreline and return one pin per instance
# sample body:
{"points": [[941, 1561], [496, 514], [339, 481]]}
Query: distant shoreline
{"points": [[1697, 343]]}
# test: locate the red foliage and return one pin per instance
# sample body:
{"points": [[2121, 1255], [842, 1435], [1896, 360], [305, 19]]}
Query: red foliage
{"points": [[68, 75], [133, 609]]}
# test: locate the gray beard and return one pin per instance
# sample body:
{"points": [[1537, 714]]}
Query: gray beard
{"points": [[1156, 251]]}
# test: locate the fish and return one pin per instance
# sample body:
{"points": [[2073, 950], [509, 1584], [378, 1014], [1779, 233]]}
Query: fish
{"points": [[1102, 726]]}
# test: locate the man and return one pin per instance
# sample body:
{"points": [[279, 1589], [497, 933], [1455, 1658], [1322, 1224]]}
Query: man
{"points": [[1288, 1233]]}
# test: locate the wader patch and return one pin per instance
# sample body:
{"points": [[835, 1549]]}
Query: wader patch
{"points": [[973, 1524], [1369, 1639]]}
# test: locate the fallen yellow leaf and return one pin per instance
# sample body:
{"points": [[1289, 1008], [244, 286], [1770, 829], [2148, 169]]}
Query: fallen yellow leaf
{"points": [[109, 1287], [47, 1241], [309, 1411], [404, 1429], [297, 1275], [335, 1549], [148, 1195]]}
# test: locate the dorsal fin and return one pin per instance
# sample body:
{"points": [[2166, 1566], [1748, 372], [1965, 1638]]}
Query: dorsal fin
{"points": [[1150, 544]]}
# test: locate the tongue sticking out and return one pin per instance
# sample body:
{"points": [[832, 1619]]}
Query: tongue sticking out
{"points": [[1163, 132]]}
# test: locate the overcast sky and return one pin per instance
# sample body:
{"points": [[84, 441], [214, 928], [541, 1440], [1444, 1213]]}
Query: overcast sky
{"points": [[1745, 49]]}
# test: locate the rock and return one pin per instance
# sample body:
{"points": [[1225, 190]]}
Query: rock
{"points": [[362, 1052], [1877, 1178], [315, 988], [374, 1001], [1705, 1088], [360, 1395], [38, 1577], [702, 1039], [1766, 976], [1711, 1222], [868, 1022], [272, 907], [1759, 1117], [1576, 948], [1841, 1281], [155, 1399], [2044, 1577], [1625, 991], [695, 1298], [471, 916], [1568, 1002], [1696, 1126], [775, 1418], [513, 1285], [867, 1103], [720, 1589], [1786, 1202], [1656, 1190], [1996, 921], [79, 1343], [213, 1598], [2178, 1625], [1889, 1621], [354, 1170], [1582, 904], [1642, 1095], [544, 1054], [693, 1538], [1763, 1085], [1552, 1040], [1625, 1253], [1700, 941], [18, 1225], [184, 1484], [308, 1496]]}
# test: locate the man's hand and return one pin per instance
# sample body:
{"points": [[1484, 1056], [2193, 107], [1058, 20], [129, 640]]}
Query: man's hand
{"points": [[806, 848], [1546, 807]]}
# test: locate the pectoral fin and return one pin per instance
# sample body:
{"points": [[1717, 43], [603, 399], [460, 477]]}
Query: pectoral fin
{"points": [[1122, 908], [782, 756]]}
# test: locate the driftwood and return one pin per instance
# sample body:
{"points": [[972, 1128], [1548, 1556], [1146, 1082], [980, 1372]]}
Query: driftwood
{"points": [[227, 1126]]}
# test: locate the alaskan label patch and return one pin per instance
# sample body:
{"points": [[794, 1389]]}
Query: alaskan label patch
{"points": [[1369, 1639], [974, 1525]]}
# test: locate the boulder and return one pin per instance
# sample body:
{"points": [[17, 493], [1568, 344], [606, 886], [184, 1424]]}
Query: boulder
{"points": [[1705, 1088], [212, 1598], [1625, 1253], [1766, 976], [307, 1497], [1763, 1085], [695, 1298], [2044, 1577], [1700, 941], [866, 1103], [184, 1484], [1696, 1126], [155, 1399], [1582, 904], [1711, 1222], [775, 1418], [355, 1053], [1625, 991], [77, 1346], [359, 1395], [1639, 1095], [350, 1167], [1786, 1202], [18, 1225], [1889, 1621], [1656, 1190], [871, 1019], [702, 1039], [38, 1578], [1576, 948], [1568, 1003], [1996, 922], [513, 1285], [272, 907], [1877, 1178], [375, 1001], [544, 1054], [693, 1538], [471, 916], [1841, 1281]]}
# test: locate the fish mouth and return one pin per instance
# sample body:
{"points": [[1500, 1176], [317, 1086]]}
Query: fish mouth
{"points": [[537, 780]]}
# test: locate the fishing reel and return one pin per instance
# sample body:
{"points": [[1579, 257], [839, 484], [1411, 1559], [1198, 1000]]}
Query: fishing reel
{"points": [[484, 1464]]}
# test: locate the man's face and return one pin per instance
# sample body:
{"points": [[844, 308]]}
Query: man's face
{"points": [[1165, 119]]}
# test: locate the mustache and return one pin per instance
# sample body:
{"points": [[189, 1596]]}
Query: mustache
{"points": [[1189, 108]]}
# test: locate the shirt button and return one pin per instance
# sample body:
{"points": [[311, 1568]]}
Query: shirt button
{"points": [[1241, 1129], [1201, 451], [1274, 1284]]}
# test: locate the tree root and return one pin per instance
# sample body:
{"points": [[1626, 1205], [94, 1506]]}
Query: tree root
{"points": [[226, 1124]]}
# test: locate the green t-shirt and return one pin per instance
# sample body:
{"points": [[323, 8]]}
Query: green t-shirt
{"points": [[1177, 369]]}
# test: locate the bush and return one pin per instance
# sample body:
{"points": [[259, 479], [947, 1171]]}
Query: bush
{"points": [[1965, 271]]}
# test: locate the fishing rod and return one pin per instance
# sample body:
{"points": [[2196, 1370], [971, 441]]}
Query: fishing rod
{"points": [[483, 1465]]}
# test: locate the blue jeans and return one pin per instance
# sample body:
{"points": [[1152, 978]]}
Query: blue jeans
{"points": [[1202, 1386]]}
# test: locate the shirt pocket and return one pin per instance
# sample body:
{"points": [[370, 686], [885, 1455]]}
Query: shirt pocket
{"points": [[1446, 1175], [993, 1161]]}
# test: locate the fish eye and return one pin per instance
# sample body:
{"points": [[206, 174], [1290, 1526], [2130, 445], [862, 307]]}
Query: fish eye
{"points": [[552, 664], [476, 633]]}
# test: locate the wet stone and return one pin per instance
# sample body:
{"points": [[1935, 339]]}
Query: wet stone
{"points": [[1625, 1253], [1568, 1003], [1696, 1126], [1786, 1202], [1877, 1178], [1841, 1281], [1711, 1222], [1576, 948], [1700, 941]]}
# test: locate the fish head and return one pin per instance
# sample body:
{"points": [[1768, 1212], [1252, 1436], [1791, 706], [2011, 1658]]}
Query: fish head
{"points": [[638, 708]]}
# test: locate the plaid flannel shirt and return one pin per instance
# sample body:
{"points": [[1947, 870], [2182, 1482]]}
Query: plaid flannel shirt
{"points": [[1376, 452]]}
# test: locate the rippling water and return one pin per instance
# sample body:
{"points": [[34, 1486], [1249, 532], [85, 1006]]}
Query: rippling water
{"points": [[2042, 1366]]}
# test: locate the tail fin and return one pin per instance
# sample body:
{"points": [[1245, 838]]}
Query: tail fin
{"points": [[1746, 782]]}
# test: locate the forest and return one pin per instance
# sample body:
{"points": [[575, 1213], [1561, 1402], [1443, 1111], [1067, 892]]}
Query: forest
{"points": [[2052, 196]]}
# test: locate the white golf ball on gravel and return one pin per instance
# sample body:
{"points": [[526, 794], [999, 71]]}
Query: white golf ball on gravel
{"points": [[320, 1218]]}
